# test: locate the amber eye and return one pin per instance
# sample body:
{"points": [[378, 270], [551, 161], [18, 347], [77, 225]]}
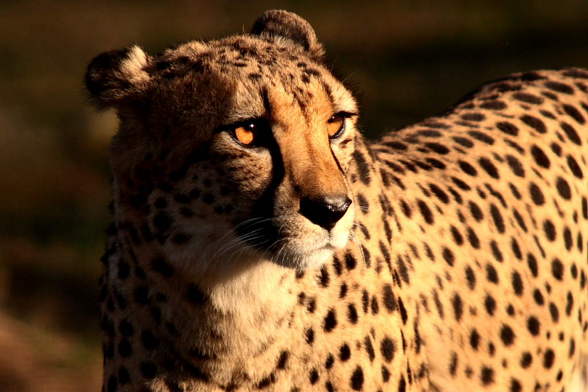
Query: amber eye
{"points": [[245, 133], [336, 126]]}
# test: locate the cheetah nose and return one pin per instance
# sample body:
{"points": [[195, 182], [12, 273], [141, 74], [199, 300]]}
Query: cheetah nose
{"points": [[325, 211]]}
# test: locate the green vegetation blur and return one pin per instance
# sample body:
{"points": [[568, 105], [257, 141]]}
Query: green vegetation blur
{"points": [[405, 60]]}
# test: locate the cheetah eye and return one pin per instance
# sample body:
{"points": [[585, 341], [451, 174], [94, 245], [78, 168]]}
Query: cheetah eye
{"points": [[336, 124], [246, 133]]}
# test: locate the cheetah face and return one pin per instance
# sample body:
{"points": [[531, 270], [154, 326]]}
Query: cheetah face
{"points": [[234, 148]]}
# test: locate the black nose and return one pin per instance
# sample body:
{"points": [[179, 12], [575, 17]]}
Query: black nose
{"points": [[325, 211]]}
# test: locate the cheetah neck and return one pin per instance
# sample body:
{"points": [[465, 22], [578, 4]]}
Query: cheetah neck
{"points": [[210, 326]]}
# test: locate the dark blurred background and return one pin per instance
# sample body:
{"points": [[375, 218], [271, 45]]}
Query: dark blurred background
{"points": [[405, 60]]}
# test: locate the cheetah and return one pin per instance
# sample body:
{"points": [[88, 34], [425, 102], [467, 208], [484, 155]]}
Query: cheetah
{"points": [[261, 243]]}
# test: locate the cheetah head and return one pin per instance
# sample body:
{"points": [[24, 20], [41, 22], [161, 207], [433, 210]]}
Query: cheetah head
{"points": [[232, 149]]}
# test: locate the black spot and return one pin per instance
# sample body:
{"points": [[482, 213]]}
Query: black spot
{"points": [[141, 295], [470, 277], [357, 379], [180, 238], [568, 240], [162, 267], [574, 113], [487, 375], [457, 306], [375, 307], [540, 157], [528, 98], [123, 376], [526, 360], [476, 211], [496, 251], [467, 168], [126, 329], [362, 166], [323, 276], [536, 194], [473, 117], [490, 305], [534, 123], [149, 341], [507, 335], [516, 250], [385, 374], [559, 87], [402, 384], [517, 283], [282, 360], [425, 211], [264, 382], [453, 364], [549, 230], [352, 313], [344, 352], [569, 303], [369, 347], [474, 339], [448, 256], [343, 290], [457, 237], [571, 133], [493, 105], [330, 321], [387, 349], [330, 361], [436, 163], [508, 128], [533, 325], [148, 369], [365, 301], [463, 141], [112, 384], [554, 312], [481, 137], [437, 148], [396, 145], [574, 167], [538, 297], [515, 385], [515, 165], [309, 336], [195, 296], [388, 298], [441, 195], [313, 376], [461, 184], [473, 238], [557, 269], [123, 270], [497, 217], [162, 221], [563, 188], [350, 261], [520, 220], [548, 358]]}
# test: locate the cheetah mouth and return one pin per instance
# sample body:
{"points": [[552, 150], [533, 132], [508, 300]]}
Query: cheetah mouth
{"points": [[264, 236]]}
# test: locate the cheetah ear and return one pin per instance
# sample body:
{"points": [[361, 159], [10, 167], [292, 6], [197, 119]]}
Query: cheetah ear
{"points": [[117, 75], [289, 25]]}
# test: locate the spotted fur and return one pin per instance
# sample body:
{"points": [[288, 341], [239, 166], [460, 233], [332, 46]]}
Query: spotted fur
{"points": [[461, 263]]}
